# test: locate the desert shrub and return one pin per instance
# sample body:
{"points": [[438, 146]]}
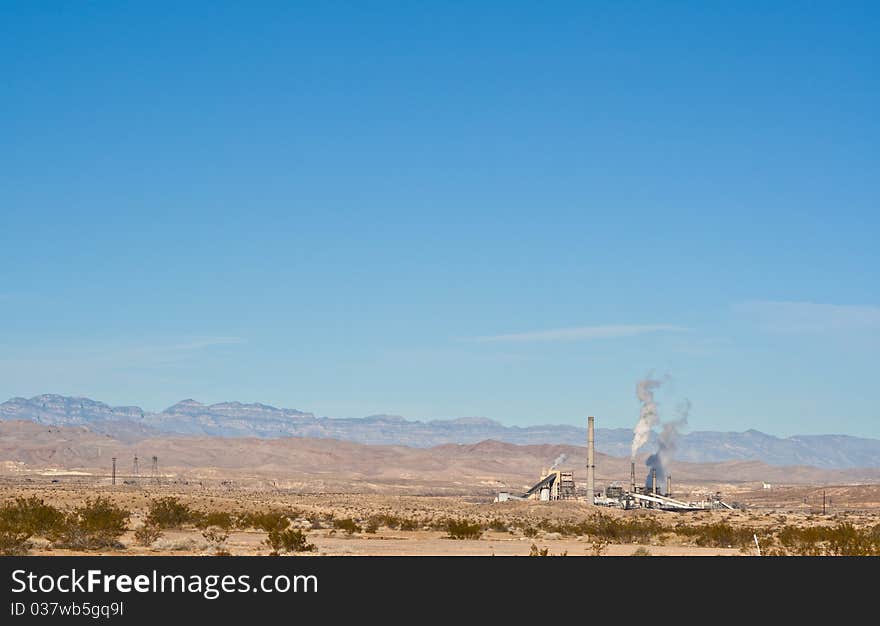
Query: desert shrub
{"points": [[218, 519], [169, 512], [267, 521], [31, 516], [717, 535], [147, 534], [615, 530], [347, 524], [598, 546], [535, 551], [289, 540], [96, 524], [498, 526], [216, 537], [371, 526], [530, 532], [14, 543], [462, 529], [641, 551], [844, 539], [408, 524]]}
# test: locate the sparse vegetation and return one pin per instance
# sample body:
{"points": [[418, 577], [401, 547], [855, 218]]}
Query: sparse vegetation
{"points": [[31, 516], [463, 529], [348, 525], [95, 525], [147, 534], [216, 538], [289, 540], [170, 512]]}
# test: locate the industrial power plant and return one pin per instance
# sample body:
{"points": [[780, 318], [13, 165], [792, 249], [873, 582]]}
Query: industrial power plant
{"points": [[558, 484]]}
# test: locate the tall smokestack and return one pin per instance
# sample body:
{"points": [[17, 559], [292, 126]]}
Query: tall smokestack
{"points": [[654, 480], [668, 484], [591, 467], [632, 477]]}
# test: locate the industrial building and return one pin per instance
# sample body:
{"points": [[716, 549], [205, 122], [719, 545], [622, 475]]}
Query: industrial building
{"points": [[555, 484]]}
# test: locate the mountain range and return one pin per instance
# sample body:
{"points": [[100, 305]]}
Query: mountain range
{"points": [[234, 419]]}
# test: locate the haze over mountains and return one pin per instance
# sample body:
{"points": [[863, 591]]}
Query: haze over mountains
{"points": [[234, 419]]}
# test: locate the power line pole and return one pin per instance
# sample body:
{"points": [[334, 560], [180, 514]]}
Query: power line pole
{"points": [[113, 479]]}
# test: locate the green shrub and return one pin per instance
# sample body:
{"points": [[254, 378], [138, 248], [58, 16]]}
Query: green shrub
{"points": [[287, 540], [267, 521], [170, 512], [462, 529], [218, 519], [95, 525], [31, 516], [347, 524]]}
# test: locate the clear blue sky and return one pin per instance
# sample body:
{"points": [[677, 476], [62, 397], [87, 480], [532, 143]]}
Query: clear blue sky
{"points": [[506, 209]]}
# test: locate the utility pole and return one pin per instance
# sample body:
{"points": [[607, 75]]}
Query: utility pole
{"points": [[135, 472], [823, 502], [113, 479]]}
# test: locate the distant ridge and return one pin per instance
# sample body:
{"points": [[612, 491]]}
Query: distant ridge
{"points": [[236, 419]]}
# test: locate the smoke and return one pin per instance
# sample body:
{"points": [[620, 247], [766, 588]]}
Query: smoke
{"points": [[648, 416], [667, 440], [559, 461]]}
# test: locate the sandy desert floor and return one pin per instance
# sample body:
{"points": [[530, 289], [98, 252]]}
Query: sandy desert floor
{"points": [[510, 528]]}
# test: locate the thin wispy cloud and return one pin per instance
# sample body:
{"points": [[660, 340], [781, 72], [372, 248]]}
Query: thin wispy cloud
{"points": [[805, 317], [200, 343], [582, 333]]}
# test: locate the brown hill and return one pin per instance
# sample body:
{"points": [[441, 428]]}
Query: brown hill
{"points": [[327, 464]]}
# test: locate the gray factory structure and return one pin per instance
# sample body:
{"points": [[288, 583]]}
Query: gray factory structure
{"points": [[558, 484]]}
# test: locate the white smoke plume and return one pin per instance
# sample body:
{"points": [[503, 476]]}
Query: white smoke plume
{"points": [[559, 461], [648, 416]]}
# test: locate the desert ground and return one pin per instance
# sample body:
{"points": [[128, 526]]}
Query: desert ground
{"points": [[342, 498], [514, 528]]}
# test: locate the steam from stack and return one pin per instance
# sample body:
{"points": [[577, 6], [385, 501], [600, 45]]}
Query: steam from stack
{"points": [[648, 416], [667, 440], [558, 461]]}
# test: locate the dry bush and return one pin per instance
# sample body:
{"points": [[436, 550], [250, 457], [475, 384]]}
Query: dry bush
{"points": [[13, 543], [216, 538], [290, 540], [31, 516], [598, 546], [718, 535], [535, 551], [267, 521], [170, 512], [346, 524], [147, 534], [95, 525], [463, 529], [218, 519]]}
